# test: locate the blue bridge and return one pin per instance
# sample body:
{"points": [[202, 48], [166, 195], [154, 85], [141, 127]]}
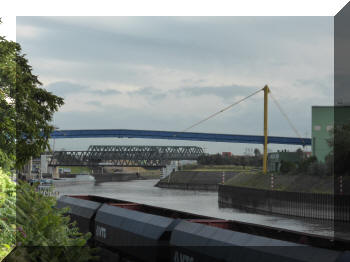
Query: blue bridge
{"points": [[171, 135]]}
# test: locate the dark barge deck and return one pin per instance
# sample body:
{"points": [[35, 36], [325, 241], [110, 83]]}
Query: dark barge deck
{"points": [[107, 218]]}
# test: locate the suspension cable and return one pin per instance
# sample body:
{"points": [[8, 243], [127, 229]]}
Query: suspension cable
{"points": [[222, 110], [286, 116]]}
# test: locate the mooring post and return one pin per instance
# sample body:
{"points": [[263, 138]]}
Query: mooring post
{"points": [[341, 184], [272, 182]]}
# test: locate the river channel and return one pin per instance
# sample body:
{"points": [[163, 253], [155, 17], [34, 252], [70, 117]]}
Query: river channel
{"points": [[198, 202]]}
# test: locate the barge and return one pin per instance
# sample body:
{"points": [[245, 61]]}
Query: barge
{"points": [[127, 231]]}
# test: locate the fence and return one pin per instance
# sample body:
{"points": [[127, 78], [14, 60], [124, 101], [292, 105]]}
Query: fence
{"points": [[48, 191], [311, 205]]}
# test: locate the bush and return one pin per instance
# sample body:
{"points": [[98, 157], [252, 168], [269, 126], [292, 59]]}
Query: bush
{"points": [[7, 214], [44, 233], [218, 159], [317, 169], [304, 165], [287, 167]]}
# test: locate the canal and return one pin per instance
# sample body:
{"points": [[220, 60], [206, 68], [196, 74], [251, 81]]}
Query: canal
{"points": [[198, 202]]}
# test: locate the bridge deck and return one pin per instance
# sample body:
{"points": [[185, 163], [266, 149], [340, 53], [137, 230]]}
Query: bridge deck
{"points": [[170, 135]]}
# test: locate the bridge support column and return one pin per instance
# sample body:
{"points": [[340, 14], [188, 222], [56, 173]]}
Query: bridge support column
{"points": [[168, 169], [55, 173]]}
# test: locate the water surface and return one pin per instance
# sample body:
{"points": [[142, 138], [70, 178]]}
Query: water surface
{"points": [[198, 202]]}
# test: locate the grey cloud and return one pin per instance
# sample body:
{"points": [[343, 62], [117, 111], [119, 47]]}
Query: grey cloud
{"points": [[94, 103], [64, 88], [179, 42], [106, 92], [251, 48], [115, 116], [190, 80], [225, 92], [323, 85], [151, 92]]}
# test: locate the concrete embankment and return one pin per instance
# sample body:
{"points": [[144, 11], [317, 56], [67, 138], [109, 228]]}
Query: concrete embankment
{"points": [[284, 182], [311, 205], [194, 180]]}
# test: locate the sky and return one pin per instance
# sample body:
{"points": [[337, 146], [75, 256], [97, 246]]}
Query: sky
{"points": [[167, 73]]}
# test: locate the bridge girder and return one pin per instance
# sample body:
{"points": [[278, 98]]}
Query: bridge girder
{"points": [[171, 135], [147, 156]]}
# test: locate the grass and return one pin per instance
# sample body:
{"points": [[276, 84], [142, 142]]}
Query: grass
{"points": [[78, 169], [218, 168], [254, 178]]}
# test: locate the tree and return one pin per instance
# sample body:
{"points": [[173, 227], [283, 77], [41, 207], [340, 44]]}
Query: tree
{"points": [[340, 149], [25, 109], [257, 152], [300, 154], [25, 114], [287, 166], [305, 163]]}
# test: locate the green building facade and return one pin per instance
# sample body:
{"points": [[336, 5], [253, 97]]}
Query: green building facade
{"points": [[275, 159], [323, 119]]}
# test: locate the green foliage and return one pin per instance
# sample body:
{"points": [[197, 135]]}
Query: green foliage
{"points": [[48, 229], [317, 169], [287, 166], [308, 166], [37, 223], [340, 153], [25, 108], [5, 162], [218, 159], [304, 164], [7, 214]]}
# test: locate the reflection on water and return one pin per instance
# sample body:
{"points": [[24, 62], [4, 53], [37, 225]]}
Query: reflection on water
{"points": [[199, 202]]}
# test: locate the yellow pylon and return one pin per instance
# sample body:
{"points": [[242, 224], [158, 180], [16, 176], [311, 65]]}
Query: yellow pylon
{"points": [[266, 93]]}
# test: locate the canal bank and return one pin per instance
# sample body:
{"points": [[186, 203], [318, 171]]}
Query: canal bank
{"points": [[292, 195], [309, 205]]}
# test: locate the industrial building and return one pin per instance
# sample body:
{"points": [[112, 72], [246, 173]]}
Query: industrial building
{"points": [[323, 120], [275, 159]]}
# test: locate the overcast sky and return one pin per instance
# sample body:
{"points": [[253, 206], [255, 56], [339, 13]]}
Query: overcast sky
{"points": [[166, 73]]}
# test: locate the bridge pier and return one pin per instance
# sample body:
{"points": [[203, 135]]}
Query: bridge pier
{"points": [[55, 173], [168, 169]]}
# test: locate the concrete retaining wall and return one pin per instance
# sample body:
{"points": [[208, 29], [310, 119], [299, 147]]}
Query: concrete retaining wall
{"points": [[195, 180], [311, 205], [206, 187]]}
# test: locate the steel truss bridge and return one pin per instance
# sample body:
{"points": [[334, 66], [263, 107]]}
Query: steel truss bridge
{"points": [[131, 156]]}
